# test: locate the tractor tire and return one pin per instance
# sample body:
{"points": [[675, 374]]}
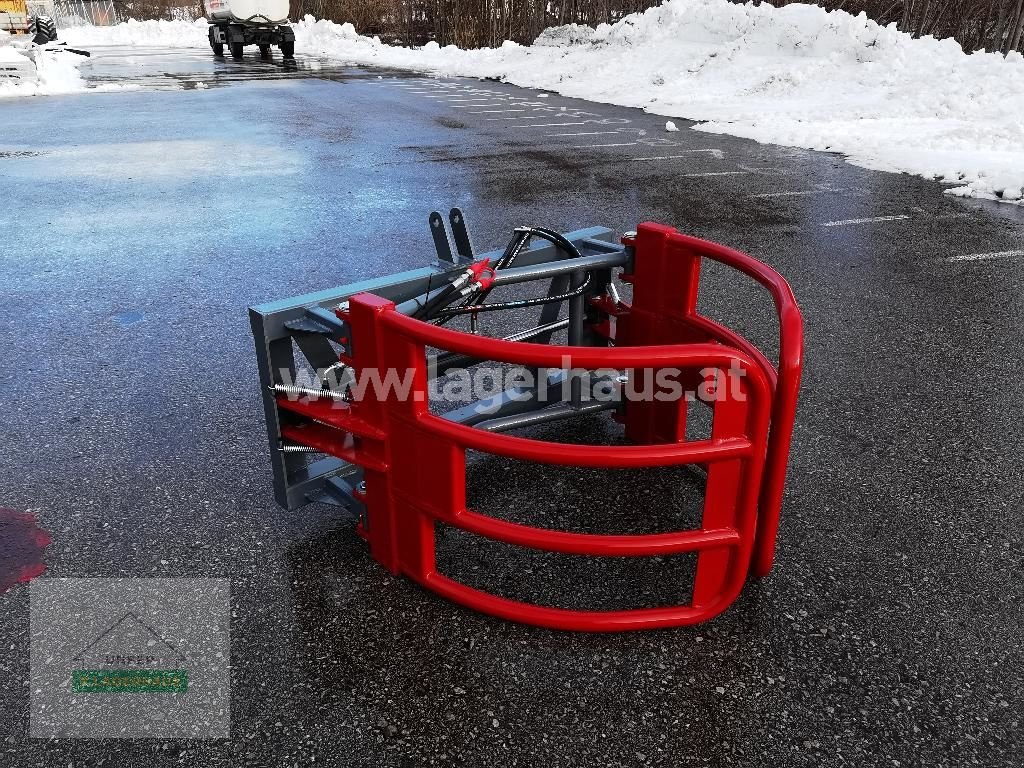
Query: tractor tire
{"points": [[218, 49], [43, 29], [236, 50], [264, 50], [288, 49]]}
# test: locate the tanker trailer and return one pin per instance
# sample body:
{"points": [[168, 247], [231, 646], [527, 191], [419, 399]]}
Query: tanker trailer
{"points": [[238, 23]]}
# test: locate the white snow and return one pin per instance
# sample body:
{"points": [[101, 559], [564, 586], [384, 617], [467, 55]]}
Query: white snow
{"points": [[38, 72], [671, 127], [160, 33], [796, 75], [10, 56]]}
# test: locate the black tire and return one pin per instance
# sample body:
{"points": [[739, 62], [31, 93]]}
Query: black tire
{"points": [[264, 50], [236, 50], [288, 49], [43, 30], [218, 49]]}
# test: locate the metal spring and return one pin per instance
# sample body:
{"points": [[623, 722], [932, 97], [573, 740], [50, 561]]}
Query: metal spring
{"points": [[314, 394], [613, 293], [297, 449]]}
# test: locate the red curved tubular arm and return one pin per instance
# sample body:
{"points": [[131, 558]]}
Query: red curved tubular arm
{"points": [[785, 382]]}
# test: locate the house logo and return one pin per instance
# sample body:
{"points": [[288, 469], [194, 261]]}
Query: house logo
{"points": [[130, 656], [127, 658]]}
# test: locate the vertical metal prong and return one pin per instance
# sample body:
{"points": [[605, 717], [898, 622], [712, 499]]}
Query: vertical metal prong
{"points": [[441, 243], [460, 231]]}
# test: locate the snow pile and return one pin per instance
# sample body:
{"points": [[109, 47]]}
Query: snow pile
{"points": [[38, 72], [567, 34], [796, 75], [158, 33], [9, 55]]}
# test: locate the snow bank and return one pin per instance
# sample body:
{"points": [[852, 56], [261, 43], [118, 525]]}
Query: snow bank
{"points": [[159, 33], [796, 75], [38, 72]]}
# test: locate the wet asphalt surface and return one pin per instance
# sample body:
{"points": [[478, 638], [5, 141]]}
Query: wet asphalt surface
{"points": [[137, 228]]}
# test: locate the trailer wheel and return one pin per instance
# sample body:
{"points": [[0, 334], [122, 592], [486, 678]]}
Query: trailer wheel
{"points": [[288, 49], [218, 49], [264, 50], [236, 50]]}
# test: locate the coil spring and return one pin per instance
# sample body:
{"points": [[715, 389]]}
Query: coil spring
{"points": [[314, 394], [297, 449]]}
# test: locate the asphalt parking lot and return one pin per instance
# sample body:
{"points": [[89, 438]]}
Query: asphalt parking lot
{"points": [[139, 225]]}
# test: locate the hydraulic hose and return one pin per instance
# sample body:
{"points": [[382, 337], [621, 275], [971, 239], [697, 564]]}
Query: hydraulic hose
{"points": [[515, 304], [475, 303]]}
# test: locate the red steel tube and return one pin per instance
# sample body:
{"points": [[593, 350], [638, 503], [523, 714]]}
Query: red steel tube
{"points": [[786, 389], [553, 356], [577, 621], [594, 544], [621, 456]]}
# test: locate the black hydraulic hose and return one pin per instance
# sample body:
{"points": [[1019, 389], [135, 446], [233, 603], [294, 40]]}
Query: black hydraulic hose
{"points": [[558, 239], [516, 304], [443, 296], [515, 245], [475, 303], [435, 310], [458, 287]]}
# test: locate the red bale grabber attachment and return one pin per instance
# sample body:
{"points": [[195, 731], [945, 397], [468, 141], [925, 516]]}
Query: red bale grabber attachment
{"points": [[350, 379]]}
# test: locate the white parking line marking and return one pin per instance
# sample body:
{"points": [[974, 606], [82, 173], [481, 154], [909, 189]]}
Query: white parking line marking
{"points": [[595, 146], [584, 133], [798, 194], [465, 97], [986, 256], [546, 125], [719, 154], [702, 175], [492, 111], [529, 117], [767, 171], [872, 220]]}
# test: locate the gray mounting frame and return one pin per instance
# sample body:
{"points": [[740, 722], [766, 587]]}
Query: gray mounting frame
{"points": [[310, 323]]}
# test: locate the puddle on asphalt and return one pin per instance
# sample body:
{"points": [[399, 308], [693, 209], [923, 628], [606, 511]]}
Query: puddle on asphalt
{"points": [[195, 69], [22, 546]]}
